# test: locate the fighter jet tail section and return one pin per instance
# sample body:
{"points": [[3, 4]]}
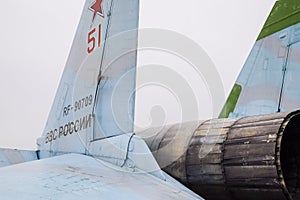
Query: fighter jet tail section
{"points": [[268, 82], [95, 98], [244, 158], [252, 151], [89, 136], [93, 111]]}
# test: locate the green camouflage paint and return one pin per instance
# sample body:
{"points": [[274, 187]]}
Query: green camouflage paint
{"points": [[285, 13], [231, 101]]}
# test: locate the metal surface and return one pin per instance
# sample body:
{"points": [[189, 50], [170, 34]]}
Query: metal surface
{"points": [[95, 99], [268, 82], [92, 115], [245, 158], [93, 111], [82, 177], [14, 156], [269, 78]]}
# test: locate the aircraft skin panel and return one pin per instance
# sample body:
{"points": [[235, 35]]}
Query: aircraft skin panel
{"points": [[70, 119], [115, 103], [269, 78], [75, 176], [285, 13], [95, 98], [14, 156], [260, 79], [291, 93], [93, 113]]}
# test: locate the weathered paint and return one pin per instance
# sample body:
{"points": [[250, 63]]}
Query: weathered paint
{"points": [[244, 158], [93, 114], [74, 176], [14, 156], [285, 13], [269, 77], [95, 99], [231, 101]]}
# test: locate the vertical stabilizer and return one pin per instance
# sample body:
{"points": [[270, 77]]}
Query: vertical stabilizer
{"points": [[269, 81], [95, 98]]}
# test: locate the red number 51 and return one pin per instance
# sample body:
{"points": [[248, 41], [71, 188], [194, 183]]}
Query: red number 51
{"points": [[92, 40]]}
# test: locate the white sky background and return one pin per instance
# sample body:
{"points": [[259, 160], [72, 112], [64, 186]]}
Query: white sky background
{"points": [[36, 36]]}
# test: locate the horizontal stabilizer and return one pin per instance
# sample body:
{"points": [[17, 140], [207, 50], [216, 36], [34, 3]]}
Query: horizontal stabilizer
{"points": [[14, 156], [75, 176]]}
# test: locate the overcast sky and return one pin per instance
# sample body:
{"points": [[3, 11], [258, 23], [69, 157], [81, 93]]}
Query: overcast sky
{"points": [[36, 36]]}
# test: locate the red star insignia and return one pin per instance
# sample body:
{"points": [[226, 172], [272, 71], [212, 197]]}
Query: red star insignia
{"points": [[96, 7]]}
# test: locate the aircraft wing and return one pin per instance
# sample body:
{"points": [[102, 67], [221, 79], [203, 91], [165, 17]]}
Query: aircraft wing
{"points": [[75, 176]]}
